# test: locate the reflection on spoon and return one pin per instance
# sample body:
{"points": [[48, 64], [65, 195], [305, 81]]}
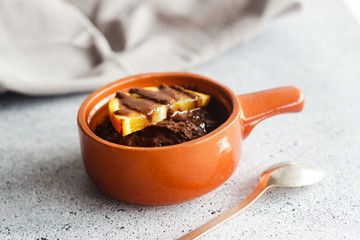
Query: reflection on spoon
{"points": [[288, 174]]}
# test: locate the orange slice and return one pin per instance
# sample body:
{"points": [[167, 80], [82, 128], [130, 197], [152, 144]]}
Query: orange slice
{"points": [[126, 120]]}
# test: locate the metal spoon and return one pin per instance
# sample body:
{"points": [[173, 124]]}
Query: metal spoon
{"points": [[288, 174]]}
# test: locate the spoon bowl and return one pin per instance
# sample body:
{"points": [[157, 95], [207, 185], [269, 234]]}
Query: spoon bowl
{"points": [[293, 174]]}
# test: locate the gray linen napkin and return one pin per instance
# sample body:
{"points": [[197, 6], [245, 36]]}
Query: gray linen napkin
{"points": [[58, 46]]}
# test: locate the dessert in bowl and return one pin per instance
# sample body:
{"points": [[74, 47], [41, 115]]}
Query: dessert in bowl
{"points": [[159, 116], [186, 170]]}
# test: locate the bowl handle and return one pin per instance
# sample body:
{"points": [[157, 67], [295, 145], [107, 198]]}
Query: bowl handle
{"points": [[258, 106]]}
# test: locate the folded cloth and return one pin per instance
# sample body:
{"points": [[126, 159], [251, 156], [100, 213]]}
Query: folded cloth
{"points": [[59, 46]]}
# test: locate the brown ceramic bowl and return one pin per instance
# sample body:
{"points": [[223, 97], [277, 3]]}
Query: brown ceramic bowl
{"points": [[177, 173]]}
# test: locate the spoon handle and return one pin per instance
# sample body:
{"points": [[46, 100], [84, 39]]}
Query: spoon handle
{"points": [[207, 227]]}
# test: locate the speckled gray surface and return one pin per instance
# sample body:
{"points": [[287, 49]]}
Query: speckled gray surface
{"points": [[45, 193]]}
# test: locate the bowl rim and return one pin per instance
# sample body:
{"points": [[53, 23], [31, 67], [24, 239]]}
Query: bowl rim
{"points": [[234, 116]]}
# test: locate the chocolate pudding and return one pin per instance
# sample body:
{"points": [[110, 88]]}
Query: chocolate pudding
{"points": [[178, 127]]}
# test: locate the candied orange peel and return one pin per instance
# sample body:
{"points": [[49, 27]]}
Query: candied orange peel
{"points": [[141, 107]]}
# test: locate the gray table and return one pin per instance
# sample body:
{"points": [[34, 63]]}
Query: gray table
{"points": [[45, 193]]}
